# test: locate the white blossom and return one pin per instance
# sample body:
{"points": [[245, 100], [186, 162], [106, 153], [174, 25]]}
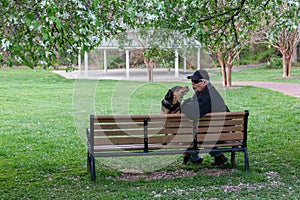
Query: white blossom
{"points": [[5, 44], [80, 5], [65, 15], [149, 4], [43, 4], [18, 59], [94, 38], [92, 17], [69, 51], [48, 53], [42, 62], [151, 17]]}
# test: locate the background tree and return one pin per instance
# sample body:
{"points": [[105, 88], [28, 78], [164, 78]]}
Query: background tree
{"points": [[222, 26], [228, 40], [34, 32], [281, 29]]}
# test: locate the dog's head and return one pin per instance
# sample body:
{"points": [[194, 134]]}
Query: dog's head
{"points": [[176, 93]]}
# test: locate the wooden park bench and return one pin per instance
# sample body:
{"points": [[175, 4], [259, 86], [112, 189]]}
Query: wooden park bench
{"points": [[160, 134]]}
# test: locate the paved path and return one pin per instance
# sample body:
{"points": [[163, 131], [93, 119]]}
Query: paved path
{"points": [[292, 89]]}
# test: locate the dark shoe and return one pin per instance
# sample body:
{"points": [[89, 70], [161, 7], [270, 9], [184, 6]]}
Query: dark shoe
{"points": [[219, 160], [186, 158], [198, 161]]}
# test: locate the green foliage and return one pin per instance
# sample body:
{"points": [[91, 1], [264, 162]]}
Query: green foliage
{"points": [[275, 63], [256, 54], [35, 33]]}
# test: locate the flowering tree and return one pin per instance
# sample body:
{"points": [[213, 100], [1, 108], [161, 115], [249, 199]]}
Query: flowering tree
{"points": [[35, 32], [282, 30], [227, 42], [222, 26]]}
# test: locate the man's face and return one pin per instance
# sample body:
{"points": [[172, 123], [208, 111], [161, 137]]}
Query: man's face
{"points": [[199, 85]]}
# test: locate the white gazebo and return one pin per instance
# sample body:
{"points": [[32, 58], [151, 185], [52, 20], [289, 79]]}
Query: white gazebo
{"points": [[113, 45]]}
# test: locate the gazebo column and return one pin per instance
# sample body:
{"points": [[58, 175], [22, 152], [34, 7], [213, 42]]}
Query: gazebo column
{"points": [[79, 60], [176, 64], [127, 64], [198, 59], [86, 64], [184, 60], [104, 61]]}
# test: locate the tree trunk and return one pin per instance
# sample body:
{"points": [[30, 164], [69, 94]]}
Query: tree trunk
{"points": [[223, 68], [286, 47], [56, 64], [229, 65], [150, 64], [229, 70], [287, 64]]}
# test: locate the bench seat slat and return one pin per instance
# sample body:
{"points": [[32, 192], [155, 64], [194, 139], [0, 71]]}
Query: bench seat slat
{"points": [[107, 148]]}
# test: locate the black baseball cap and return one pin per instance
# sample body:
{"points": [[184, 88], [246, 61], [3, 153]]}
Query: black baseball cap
{"points": [[199, 74]]}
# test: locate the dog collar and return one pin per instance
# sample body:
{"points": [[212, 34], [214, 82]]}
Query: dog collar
{"points": [[169, 106]]}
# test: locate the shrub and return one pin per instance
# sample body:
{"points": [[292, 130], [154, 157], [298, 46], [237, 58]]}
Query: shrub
{"points": [[256, 54], [275, 63]]}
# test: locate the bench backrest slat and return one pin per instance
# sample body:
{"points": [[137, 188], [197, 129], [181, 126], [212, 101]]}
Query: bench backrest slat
{"points": [[137, 133], [220, 129], [221, 123], [220, 137], [119, 141]]}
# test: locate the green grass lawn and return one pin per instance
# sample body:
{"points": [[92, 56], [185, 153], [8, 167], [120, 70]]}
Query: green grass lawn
{"points": [[263, 74], [43, 150]]}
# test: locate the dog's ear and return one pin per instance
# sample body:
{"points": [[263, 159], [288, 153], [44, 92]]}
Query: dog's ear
{"points": [[169, 95]]}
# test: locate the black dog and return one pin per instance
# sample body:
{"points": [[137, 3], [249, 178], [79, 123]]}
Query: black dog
{"points": [[172, 102]]}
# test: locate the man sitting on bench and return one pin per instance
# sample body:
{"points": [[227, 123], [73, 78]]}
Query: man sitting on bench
{"points": [[205, 100]]}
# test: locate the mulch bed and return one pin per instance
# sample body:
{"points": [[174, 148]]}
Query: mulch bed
{"points": [[172, 174]]}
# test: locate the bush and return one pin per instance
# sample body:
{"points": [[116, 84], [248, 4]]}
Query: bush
{"points": [[256, 54], [275, 63]]}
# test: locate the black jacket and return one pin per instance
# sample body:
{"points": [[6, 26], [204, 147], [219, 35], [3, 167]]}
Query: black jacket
{"points": [[208, 101]]}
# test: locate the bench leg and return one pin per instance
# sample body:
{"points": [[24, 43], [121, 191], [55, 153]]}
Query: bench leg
{"points": [[246, 160], [92, 168], [232, 158], [88, 162]]}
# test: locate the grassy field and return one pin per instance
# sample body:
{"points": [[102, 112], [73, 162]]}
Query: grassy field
{"points": [[43, 150], [263, 74]]}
